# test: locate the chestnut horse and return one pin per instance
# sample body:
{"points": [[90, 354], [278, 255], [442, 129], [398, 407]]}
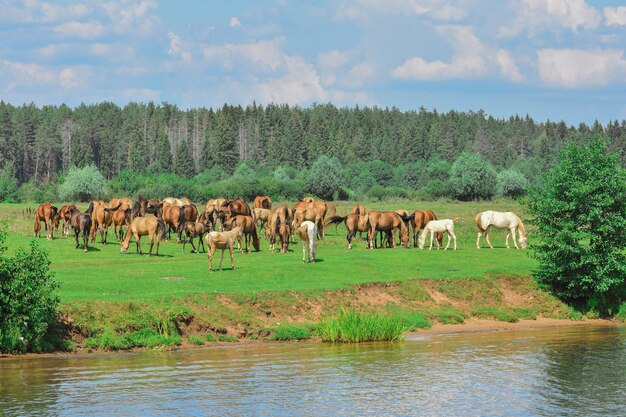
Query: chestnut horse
{"points": [[262, 201], [354, 223], [142, 226], [223, 241], [314, 211], [262, 216], [81, 223], [420, 219], [45, 213], [387, 221], [101, 219], [248, 226], [193, 229], [280, 224], [174, 217], [190, 212], [64, 214]]}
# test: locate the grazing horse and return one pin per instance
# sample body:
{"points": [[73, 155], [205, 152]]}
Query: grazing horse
{"points": [[308, 232], [223, 241], [314, 211], [434, 226], [262, 201], [45, 213], [174, 217], [420, 218], [508, 220], [280, 224], [142, 226], [193, 229], [354, 223], [387, 221], [262, 216], [81, 223], [248, 226], [64, 214]]}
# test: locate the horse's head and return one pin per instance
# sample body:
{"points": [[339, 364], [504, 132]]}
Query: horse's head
{"points": [[522, 241], [124, 247], [422, 240], [55, 221], [404, 237]]}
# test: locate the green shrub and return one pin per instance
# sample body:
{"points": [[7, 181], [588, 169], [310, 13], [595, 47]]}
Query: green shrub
{"points": [[511, 183], [28, 299], [8, 184], [82, 184], [324, 179], [494, 313], [195, 340], [621, 313], [353, 327], [580, 216], [290, 332], [37, 192], [472, 178]]}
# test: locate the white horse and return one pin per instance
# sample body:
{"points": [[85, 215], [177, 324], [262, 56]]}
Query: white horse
{"points": [[436, 226], [308, 232], [499, 220]]}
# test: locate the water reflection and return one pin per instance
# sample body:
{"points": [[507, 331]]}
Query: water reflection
{"points": [[574, 371]]}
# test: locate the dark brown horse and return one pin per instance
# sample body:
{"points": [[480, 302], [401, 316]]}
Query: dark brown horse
{"points": [[420, 219], [190, 212], [64, 214], [248, 227], [354, 223], [262, 201], [193, 229], [387, 221], [45, 213], [81, 223]]}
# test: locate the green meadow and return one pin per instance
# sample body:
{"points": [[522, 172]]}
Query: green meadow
{"points": [[104, 274]]}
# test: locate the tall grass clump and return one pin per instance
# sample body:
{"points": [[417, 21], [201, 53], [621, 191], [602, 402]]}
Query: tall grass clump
{"points": [[353, 327]]}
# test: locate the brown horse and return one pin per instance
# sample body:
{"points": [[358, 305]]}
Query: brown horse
{"points": [[354, 223], [248, 226], [142, 226], [120, 218], [190, 212], [223, 241], [387, 221], [314, 211], [174, 217], [101, 219], [81, 223], [280, 225], [45, 213], [420, 219], [193, 229], [359, 209], [125, 201], [235, 206], [64, 214], [262, 201]]}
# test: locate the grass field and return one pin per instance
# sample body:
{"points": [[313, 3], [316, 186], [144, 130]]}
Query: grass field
{"points": [[105, 274]]}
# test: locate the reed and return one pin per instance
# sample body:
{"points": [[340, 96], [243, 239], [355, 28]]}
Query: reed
{"points": [[354, 327]]}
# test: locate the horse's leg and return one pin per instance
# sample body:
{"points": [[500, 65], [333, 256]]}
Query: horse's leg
{"points": [[151, 237], [222, 257], [349, 238], [432, 232], [76, 231], [449, 238], [210, 253], [86, 240], [514, 237], [303, 251], [36, 227], [478, 240], [138, 238], [232, 258], [487, 236], [454, 237]]}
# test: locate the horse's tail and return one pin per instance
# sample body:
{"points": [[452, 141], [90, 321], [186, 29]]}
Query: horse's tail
{"points": [[53, 211], [113, 208], [181, 218], [265, 203], [89, 208], [162, 227], [479, 223], [336, 220], [408, 218], [456, 219]]}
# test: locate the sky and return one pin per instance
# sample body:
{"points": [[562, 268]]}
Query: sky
{"points": [[550, 59]]}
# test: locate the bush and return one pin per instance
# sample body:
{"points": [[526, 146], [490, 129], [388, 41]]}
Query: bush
{"points": [[82, 184], [511, 183], [28, 300], [580, 217], [472, 178], [324, 179], [8, 184], [381, 171], [34, 192]]}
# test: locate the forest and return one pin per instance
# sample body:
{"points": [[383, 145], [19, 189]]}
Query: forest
{"points": [[158, 149]]}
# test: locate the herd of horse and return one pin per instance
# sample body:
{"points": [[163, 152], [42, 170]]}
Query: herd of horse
{"points": [[225, 222]]}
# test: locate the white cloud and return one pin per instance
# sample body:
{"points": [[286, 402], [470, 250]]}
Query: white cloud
{"points": [[361, 10], [34, 11], [176, 47], [535, 15], [300, 84], [332, 59], [573, 68], [130, 16], [267, 53], [468, 59], [234, 22], [19, 74], [361, 74], [83, 30], [615, 15], [507, 66]]}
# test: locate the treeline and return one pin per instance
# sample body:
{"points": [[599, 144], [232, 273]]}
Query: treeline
{"points": [[40, 145]]}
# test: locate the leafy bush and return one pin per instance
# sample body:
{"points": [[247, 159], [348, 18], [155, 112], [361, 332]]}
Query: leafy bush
{"points": [[511, 183], [472, 178], [581, 225], [82, 184], [28, 299], [381, 171], [290, 332], [324, 179], [37, 192], [8, 184]]}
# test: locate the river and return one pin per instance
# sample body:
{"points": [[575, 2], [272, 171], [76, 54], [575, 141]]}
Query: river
{"points": [[566, 371]]}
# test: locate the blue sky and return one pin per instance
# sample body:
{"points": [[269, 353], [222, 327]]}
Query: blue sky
{"points": [[551, 59]]}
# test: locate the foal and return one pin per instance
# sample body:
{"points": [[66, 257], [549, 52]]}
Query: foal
{"points": [[308, 232], [223, 241], [438, 226]]}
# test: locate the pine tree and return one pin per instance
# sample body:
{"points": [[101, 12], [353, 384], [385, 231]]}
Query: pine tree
{"points": [[225, 150], [184, 166]]}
